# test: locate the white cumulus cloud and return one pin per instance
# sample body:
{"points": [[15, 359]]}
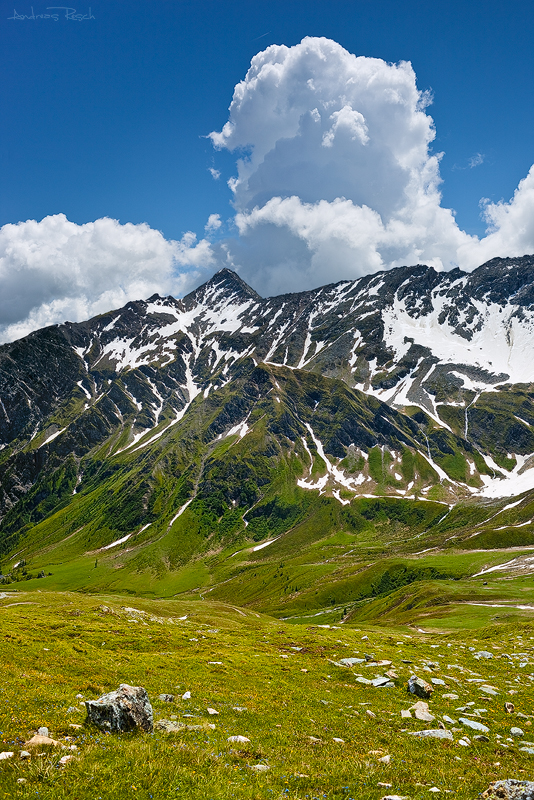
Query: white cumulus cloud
{"points": [[55, 270], [213, 223], [336, 176]]}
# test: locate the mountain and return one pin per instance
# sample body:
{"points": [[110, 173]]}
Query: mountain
{"points": [[172, 429]]}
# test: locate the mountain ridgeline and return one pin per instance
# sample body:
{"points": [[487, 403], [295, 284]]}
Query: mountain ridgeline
{"points": [[171, 432]]}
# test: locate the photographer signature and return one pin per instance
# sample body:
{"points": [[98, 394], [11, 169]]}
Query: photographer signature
{"points": [[70, 13]]}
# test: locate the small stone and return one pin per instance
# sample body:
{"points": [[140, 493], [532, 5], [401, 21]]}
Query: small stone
{"points": [[24, 754], [370, 713], [529, 750], [419, 687], [434, 733], [43, 731], [339, 741], [435, 790], [463, 742], [438, 682], [483, 654], [365, 638], [509, 708], [424, 716], [6, 754], [385, 759], [238, 739], [405, 714], [65, 760], [21, 780], [239, 708], [476, 726], [37, 741], [74, 726], [314, 740], [79, 697], [259, 768], [72, 710], [380, 682], [449, 719], [451, 696], [167, 698], [186, 696], [212, 712], [481, 738], [517, 732], [394, 797], [349, 662]]}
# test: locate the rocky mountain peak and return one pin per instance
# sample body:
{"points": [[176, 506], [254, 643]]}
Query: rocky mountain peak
{"points": [[224, 285]]}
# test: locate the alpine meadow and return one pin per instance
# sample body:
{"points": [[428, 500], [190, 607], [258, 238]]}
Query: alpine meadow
{"points": [[267, 401]]}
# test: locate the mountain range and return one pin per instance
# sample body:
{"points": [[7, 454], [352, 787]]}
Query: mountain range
{"points": [[159, 438]]}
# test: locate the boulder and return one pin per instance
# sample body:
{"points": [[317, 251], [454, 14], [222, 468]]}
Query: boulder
{"points": [[510, 789], [419, 687], [125, 709]]}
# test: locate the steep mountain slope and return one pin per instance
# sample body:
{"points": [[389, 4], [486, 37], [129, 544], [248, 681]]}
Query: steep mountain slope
{"points": [[189, 426]]}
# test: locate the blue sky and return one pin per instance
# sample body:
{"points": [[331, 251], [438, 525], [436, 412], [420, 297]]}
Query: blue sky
{"points": [[109, 117]]}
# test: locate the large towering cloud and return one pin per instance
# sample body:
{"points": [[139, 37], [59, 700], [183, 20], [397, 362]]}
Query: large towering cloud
{"points": [[335, 178], [335, 175]]}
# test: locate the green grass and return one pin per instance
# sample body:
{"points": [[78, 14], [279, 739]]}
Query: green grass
{"points": [[58, 645]]}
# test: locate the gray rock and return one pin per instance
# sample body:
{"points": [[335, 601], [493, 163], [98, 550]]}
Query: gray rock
{"points": [[72, 710], [432, 734], [349, 662], [43, 731], [509, 708], [125, 709], [424, 716], [24, 754], [481, 738], [529, 750], [169, 726], [476, 726], [419, 687], [382, 682], [166, 698], [510, 789], [517, 732], [438, 682], [483, 654]]}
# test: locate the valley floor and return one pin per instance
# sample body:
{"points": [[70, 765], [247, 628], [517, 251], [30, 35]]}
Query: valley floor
{"points": [[320, 726]]}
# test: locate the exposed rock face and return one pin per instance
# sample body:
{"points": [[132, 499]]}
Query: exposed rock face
{"points": [[334, 368], [125, 709], [510, 790]]}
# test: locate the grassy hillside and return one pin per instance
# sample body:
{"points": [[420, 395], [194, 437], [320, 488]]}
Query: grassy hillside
{"points": [[279, 685]]}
